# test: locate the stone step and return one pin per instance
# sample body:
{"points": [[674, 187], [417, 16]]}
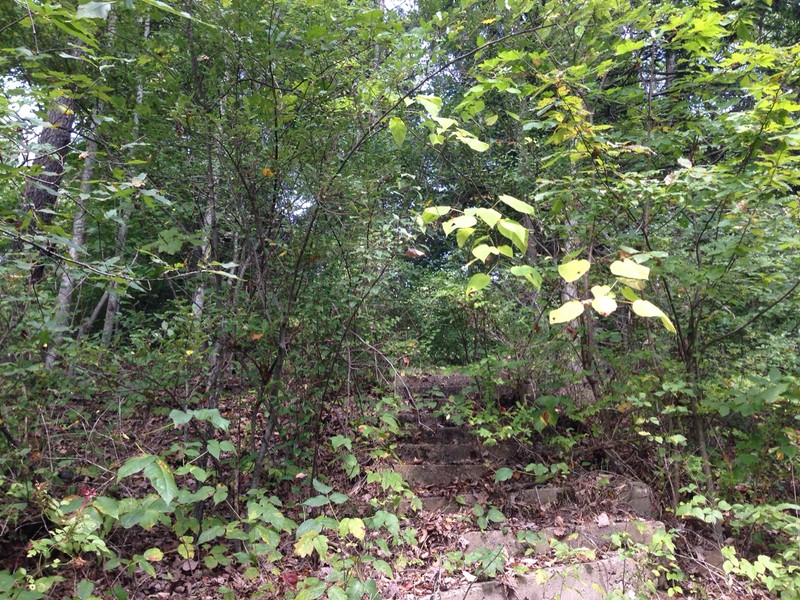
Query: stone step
{"points": [[538, 497], [585, 581], [442, 475], [588, 535], [457, 452]]}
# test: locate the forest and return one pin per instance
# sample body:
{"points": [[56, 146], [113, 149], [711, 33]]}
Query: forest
{"points": [[446, 299]]}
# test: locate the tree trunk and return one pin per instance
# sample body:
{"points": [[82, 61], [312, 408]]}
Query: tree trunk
{"points": [[78, 238]]}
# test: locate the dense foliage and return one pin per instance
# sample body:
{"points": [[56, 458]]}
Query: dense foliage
{"points": [[245, 219]]}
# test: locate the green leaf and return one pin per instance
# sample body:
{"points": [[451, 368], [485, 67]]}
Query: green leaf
{"points": [[517, 205], [153, 555], [514, 232], [432, 104], [338, 498], [491, 120], [338, 441], [483, 251], [336, 593], [316, 501], [568, 312], [477, 282], [528, 273], [503, 474], [321, 487], [94, 10], [629, 294], [210, 534], [354, 527], [495, 516], [463, 234], [459, 222], [398, 130], [85, 589], [629, 269], [643, 308], [430, 214], [628, 46], [107, 506], [134, 465], [161, 478], [473, 143], [489, 216], [604, 305], [573, 270], [180, 417]]}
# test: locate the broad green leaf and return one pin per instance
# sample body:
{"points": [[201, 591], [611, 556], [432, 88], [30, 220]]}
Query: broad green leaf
{"points": [[473, 143], [506, 250], [604, 305], [629, 269], [85, 589], [503, 474], [517, 205], [355, 527], [444, 124], [321, 487], [668, 325], [398, 130], [491, 120], [153, 555], [573, 270], [514, 232], [489, 216], [629, 294], [160, 476], [94, 10], [628, 46], [567, 312], [430, 214], [460, 222], [336, 593], [134, 465], [528, 273], [432, 104], [495, 516], [338, 498], [180, 417], [316, 501], [463, 234], [107, 506], [643, 308], [211, 533], [338, 441], [477, 282], [483, 251]]}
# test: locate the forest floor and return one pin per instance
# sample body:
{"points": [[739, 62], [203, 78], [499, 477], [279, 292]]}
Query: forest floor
{"points": [[482, 525]]}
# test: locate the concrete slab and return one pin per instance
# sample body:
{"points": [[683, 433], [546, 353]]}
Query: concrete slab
{"points": [[639, 496], [585, 581], [589, 535]]}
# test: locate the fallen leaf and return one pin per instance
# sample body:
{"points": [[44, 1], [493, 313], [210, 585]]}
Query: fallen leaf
{"points": [[603, 520]]}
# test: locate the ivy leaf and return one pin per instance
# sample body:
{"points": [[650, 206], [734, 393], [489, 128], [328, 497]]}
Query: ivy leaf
{"points": [[629, 269], [567, 312], [517, 205], [398, 130], [477, 282], [573, 270]]}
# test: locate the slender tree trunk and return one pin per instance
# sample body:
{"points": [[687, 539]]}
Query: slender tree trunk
{"points": [[67, 287]]}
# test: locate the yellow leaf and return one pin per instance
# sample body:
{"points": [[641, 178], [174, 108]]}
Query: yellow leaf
{"points": [[267, 172], [573, 270], [568, 312], [629, 269]]}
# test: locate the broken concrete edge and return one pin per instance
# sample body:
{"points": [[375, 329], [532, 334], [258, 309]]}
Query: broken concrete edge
{"points": [[589, 535], [582, 581]]}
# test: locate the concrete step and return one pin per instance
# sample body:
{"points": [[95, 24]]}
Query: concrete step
{"points": [[588, 535], [585, 581], [442, 475]]}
